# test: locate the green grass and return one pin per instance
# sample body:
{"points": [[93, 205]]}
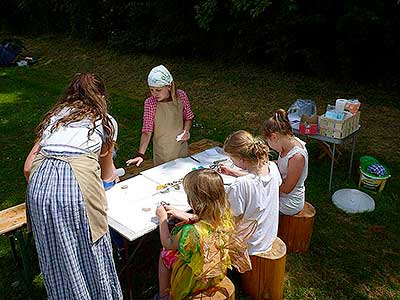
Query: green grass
{"points": [[351, 256]]}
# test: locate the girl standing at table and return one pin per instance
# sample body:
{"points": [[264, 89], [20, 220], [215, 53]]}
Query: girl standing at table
{"points": [[292, 161], [199, 250], [254, 195], [167, 114], [66, 201]]}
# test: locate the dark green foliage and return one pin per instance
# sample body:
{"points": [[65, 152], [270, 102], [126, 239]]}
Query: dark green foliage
{"points": [[358, 39]]}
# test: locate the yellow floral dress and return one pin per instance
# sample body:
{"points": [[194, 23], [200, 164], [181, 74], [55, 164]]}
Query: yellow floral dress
{"points": [[203, 256]]}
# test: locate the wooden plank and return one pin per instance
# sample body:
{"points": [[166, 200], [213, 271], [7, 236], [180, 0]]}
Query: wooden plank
{"points": [[12, 218]]}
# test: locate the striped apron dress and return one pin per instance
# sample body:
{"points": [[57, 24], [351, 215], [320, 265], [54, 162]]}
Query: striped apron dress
{"points": [[73, 264]]}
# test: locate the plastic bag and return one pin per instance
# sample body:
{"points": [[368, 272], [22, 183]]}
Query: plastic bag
{"points": [[301, 107]]}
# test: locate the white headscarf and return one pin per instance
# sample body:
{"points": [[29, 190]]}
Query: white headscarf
{"points": [[159, 76]]}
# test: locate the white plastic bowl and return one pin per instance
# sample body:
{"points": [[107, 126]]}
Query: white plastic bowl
{"points": [[353, 201]]}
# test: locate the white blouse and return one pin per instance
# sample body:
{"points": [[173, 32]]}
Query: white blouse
{"points": [[73, 137]]}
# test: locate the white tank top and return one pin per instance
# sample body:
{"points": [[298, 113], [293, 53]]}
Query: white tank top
{"points": [[292, 203]]}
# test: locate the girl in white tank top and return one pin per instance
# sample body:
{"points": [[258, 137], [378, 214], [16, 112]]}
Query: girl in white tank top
{"points": [[292, 162]]}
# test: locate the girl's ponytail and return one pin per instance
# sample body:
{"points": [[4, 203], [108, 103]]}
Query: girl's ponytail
{"points": [[243, 145], [278, 123]]}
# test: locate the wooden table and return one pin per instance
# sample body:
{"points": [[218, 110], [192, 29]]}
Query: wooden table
{"points": [[132, 171]]}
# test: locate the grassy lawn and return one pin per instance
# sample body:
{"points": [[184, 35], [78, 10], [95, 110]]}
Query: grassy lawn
{"points": [[351, 256]]}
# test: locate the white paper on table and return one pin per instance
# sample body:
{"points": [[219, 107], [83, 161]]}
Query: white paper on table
{"points": [[171, 171], [139, 216], [207, 157], [132, 189]]}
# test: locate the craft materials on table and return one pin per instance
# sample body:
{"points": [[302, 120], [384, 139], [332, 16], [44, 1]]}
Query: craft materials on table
{"points": [[132, 205], [213, 158]]}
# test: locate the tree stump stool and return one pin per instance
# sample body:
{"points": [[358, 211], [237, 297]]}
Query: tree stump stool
{"points": [[226, 283], [296, 230], [266, 279]]}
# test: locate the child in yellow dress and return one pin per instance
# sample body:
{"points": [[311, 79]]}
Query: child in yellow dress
{"points": [[199, 250]]}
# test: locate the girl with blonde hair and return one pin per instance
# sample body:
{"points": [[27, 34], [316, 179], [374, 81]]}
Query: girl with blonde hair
{"points": [[292, 161], [254, 195], [199, 250]]}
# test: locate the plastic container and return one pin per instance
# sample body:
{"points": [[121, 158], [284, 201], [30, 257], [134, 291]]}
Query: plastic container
{"points": [[340, 105], [370, 181], [353, 201]]}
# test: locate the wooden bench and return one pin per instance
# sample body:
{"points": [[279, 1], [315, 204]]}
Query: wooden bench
{"points": [[266, 279], [296, 230], [225, 283], [11, 220]]}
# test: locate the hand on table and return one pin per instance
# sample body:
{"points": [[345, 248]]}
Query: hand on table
{"points": [[137, 161]]}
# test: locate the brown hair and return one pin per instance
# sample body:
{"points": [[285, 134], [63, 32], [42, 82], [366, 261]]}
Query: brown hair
{"points": [[244, 145], [278, 123], [86, 97], [206, 194]]}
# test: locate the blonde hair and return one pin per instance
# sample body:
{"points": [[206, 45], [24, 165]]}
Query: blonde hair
{"points": [[206, 195], [244, 145], [278, 123], [174, 93]]}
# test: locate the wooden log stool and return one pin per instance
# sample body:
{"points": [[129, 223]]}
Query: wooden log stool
{"points": [[266, 279], [296, 230], [226, 283]]}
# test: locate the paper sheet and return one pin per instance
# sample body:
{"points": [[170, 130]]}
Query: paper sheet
{"points": [[209, 156], [171, 171], [132, 205]]}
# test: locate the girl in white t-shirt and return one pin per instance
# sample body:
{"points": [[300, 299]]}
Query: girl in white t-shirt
{"points": [[254, 196], [292, 161]]}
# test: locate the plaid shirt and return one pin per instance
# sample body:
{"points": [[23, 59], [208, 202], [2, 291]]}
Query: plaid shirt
{"points": [[150, 106]]}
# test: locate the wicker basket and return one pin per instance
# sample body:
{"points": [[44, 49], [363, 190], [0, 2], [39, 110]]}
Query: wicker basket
{"points": [[339, 129]]}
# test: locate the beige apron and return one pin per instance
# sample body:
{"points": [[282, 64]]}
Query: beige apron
{"points": [[168, 123], [88, 174]]}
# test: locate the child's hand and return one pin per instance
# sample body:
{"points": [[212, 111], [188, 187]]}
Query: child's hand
{"points": [[186, 136], [137, 161], [161, 213], [226, 170], [174, 212]]}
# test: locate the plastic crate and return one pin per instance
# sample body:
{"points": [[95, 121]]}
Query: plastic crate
{"points": [[339, 129]]}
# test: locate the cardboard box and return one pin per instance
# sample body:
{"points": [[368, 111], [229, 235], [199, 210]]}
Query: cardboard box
{"points": [[308, 125]]}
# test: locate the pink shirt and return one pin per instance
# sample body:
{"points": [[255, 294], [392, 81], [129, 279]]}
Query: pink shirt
{"points": [[150, 106]]}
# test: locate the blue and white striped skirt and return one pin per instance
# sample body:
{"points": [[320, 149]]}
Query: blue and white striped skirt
{"points": [[72, 266]]}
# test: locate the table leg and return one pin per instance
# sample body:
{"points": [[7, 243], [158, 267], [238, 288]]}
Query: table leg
{"points": [[352, 154], [332, 162], [128, 269]]}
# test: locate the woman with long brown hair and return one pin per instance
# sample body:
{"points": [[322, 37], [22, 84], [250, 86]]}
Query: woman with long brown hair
{"points": [[66, 201]]}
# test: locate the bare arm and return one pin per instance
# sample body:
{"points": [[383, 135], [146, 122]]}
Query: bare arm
{"points": [[144, 143], [29, 159], [231, 172], [106, 163], [165, 236], [295, 168], [179, 214]]}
